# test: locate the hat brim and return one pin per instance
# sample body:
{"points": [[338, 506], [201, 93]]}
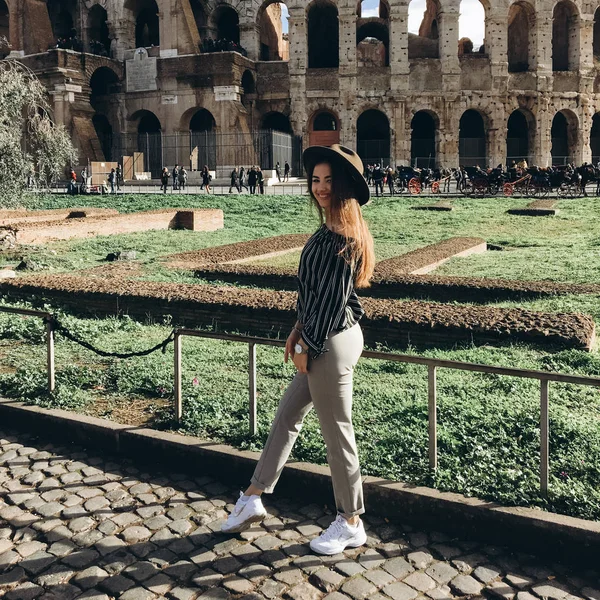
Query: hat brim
{"points": [[314, 154]]}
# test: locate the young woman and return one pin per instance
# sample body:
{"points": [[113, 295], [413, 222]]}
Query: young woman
{"points": [[206, 179], [325, 345]]}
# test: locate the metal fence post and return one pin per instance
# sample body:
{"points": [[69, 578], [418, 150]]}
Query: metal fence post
{"points": [[252, 386], [544, 437], [178, 399], [50, 354], [432, 412]]}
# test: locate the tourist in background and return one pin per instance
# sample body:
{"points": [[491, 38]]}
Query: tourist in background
{"points": [[182, 178], [260, 180], [324, 345], [164, 179], [206, 177], [378, 179], [235, 181], [252, 180], [112, 179], [390, 180], [175, 177], [286, 171], [119, 176], [278, 171], [243, 179]]}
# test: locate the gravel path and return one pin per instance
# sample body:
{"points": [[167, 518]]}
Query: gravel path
{"points": [[78, 525]]}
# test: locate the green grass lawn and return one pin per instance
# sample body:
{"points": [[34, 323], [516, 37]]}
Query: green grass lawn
{"points": [[488, 425]]}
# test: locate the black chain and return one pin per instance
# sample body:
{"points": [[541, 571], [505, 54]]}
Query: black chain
{"points": [[64, 331]]}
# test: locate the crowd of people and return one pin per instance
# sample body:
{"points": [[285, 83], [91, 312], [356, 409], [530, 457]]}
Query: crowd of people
{"points": [[179, 177], [72, 42], [221, 45]]}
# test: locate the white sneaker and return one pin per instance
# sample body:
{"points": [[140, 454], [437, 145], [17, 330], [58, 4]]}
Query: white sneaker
{"points": [[247, 510], [339, 535]]}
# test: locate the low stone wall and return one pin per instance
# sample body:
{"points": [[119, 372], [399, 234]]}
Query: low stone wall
{"points": [[9, 217], [268, 313], [537, 208], [80, 225]]}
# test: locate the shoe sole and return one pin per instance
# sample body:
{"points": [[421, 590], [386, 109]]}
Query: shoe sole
{"points": [[351, 545], [245, 524]]}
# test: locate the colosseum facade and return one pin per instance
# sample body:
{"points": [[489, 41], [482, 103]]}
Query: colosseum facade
{"points": [[139, 77]]}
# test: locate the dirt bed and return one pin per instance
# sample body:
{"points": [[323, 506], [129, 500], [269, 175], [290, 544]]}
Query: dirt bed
{"points": [[435, 287], [263, 312], [544, 207], [238, 251], [442, 205], [430, 257]]}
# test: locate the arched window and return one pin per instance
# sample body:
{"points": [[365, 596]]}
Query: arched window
{"points": [[423, 140], [227, 24], [517, 137], [520, 50], [203, 140], [472, 140], [99, 40], [103, 82], [372, 38], [471, 28], [276, 121], [596, 43], [423, 29], [323, 36], [323, 129], [4, 29], [150, 141], [147, 27], [273, 27], [62, 18], [595, 138], [248, 84], [564, 137], [373, 137], [565, 37]]}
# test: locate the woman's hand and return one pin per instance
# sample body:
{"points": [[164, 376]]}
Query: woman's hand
{"points": [[301, 362], [292, 340]]}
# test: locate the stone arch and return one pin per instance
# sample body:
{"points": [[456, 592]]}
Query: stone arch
{"points": [[248, 83], [104, 81], [521, 17], [373, 43], [383, 10], [97, 31], [276, 121], [63, 18], [472, 139], [225, 22], [274, 44], [149, 140], [565, 36], [323, 128], [147, 26], [425, 43], [4, 28], [564, 135], [469, 43], [520, 135], [203, 137], [424, 138], [323, 35], [373, 137], [596, 39], [595, 138]]}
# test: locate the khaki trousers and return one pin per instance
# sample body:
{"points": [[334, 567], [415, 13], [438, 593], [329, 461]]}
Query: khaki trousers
{"points": [[327, 386]]}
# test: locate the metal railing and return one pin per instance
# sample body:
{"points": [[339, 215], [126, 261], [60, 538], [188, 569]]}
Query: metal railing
{"points": [[49, 337], [432, 364]]}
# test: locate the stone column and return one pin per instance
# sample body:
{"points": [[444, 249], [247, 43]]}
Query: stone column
{"points": [[448, 28], [543, 143], [401, 137], [586, 54], [497, 132], [584, 150], [449, 133], [542, 61], [347, 41], [297, 28], [122, 34], [398, 51], [347, 75], [250, 39], [496, 38]]}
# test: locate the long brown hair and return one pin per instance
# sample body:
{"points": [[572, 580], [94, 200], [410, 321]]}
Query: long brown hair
{"points": [[345, 211]]}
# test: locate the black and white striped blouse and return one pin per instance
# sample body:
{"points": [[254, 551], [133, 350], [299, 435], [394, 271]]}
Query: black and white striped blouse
{"points": [[326, 297]]}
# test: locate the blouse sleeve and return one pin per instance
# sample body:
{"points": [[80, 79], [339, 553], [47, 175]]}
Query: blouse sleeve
{"points": [[327, 304]]}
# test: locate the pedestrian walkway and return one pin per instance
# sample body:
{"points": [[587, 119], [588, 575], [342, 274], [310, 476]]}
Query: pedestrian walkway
{"points": [[77, 525]]}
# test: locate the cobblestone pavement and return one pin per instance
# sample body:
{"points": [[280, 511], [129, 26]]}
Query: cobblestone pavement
{"points": [[74, 524]]}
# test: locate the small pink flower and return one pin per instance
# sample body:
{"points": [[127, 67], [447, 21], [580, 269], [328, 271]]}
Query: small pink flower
{"points": [[195, 381], [564, 474]]}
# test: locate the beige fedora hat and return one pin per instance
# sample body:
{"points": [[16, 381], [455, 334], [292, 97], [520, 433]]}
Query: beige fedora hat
{"points": [[347, 159]]}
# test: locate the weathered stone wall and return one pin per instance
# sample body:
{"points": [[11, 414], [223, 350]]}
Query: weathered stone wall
{"points": [[421, 72]]}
